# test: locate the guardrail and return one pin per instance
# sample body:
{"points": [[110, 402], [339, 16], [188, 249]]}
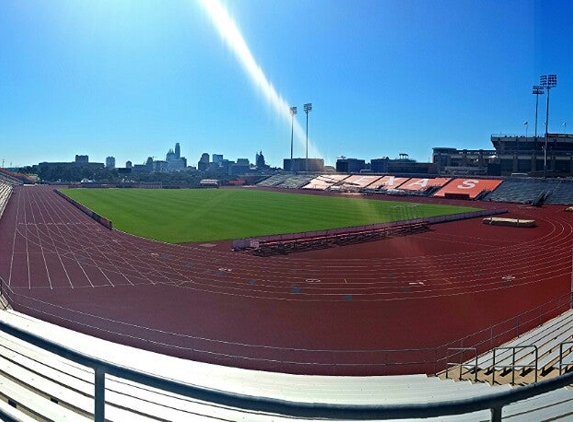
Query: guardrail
{"points": [[459, 351], [494, 402], [513, 365], [506, 330]]}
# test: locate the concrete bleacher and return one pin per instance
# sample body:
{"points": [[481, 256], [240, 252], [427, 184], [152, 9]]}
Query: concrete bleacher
{"points": [[286, 181], [562, 193], [512, 190], [296, 181], [523, 190], [16, 178], [37, 385], [274, 180], [535, 354], [326, 181], [5, 193], [6, 178]]}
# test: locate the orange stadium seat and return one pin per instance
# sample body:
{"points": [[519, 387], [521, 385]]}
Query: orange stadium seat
{"points": [[416, 184], [359, 181], [389, 182], [467, 187]]}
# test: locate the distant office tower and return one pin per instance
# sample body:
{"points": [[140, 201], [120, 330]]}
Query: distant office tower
{"points": [[128, 164], [110, 163], [170, 155], [177, 151], [82, 159], [203, 162], [260, 160], [242, 166], [218, 158], [349, 165]]}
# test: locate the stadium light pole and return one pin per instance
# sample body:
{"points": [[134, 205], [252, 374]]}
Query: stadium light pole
{"points": [[307, 109], [292, 114], [548, 82], [537, 91]]}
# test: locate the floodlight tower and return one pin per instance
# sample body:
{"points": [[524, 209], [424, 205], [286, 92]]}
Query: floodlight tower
{"points": [[307, 109], [292, 114], [548, 82], [537, 91]]}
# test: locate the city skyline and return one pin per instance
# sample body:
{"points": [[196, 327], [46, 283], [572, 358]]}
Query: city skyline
{"points": [[385, 77]]}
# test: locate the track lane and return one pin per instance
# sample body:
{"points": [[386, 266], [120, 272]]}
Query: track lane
{"points": [[285, 313]]}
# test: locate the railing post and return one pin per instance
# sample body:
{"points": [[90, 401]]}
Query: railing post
{"points": [[476, 368], [496, 414], [99, 396], [493, 372], [513, 366], [518, 325]]}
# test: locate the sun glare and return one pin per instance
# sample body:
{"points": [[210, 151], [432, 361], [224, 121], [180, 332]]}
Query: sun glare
{"points": [[232, 36]]}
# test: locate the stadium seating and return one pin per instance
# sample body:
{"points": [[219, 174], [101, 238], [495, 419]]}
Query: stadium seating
{"points": [[296, 181], [41, 385], [274, 180], [326, 181], [521, 190], [6, 179], [357, 182], [5, 192], [417, 184], [513, 190], [468, 188], [14, 178], [562, 193], [388, 182], [536, 352]]}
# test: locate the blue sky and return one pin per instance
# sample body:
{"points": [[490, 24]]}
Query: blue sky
{"points": [[129, 78]]}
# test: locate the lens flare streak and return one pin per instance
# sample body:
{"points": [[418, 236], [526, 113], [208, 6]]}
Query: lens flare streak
{"points": [[232, 36]]}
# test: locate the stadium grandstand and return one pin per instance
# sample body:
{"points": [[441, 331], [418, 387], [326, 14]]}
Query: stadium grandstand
{"points": [[15, 178], [508, 189], [98, 324], [5, 192]]}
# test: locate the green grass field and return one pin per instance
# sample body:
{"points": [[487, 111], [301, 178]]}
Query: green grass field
{"points": [[201, 215]]}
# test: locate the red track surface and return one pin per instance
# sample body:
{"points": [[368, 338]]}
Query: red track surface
{"points": [[332, 311]]}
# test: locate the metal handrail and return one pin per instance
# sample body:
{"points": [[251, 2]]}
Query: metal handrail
{"points": [[461, 363], [561, 364], [513, 365], [554, 303], [494, 402]]}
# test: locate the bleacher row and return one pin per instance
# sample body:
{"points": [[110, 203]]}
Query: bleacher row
{"points": [[5, 192], [38, 385], [549, 191], [539, 352], [15, 178], [516, 190]]}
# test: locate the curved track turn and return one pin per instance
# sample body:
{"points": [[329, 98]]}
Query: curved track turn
{"points": [[348, 310]]}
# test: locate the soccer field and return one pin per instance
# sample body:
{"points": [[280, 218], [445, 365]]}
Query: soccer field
{"points": [[201, 215]]}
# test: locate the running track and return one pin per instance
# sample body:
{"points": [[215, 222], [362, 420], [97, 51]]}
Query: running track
{"points": [[335, 311]]}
